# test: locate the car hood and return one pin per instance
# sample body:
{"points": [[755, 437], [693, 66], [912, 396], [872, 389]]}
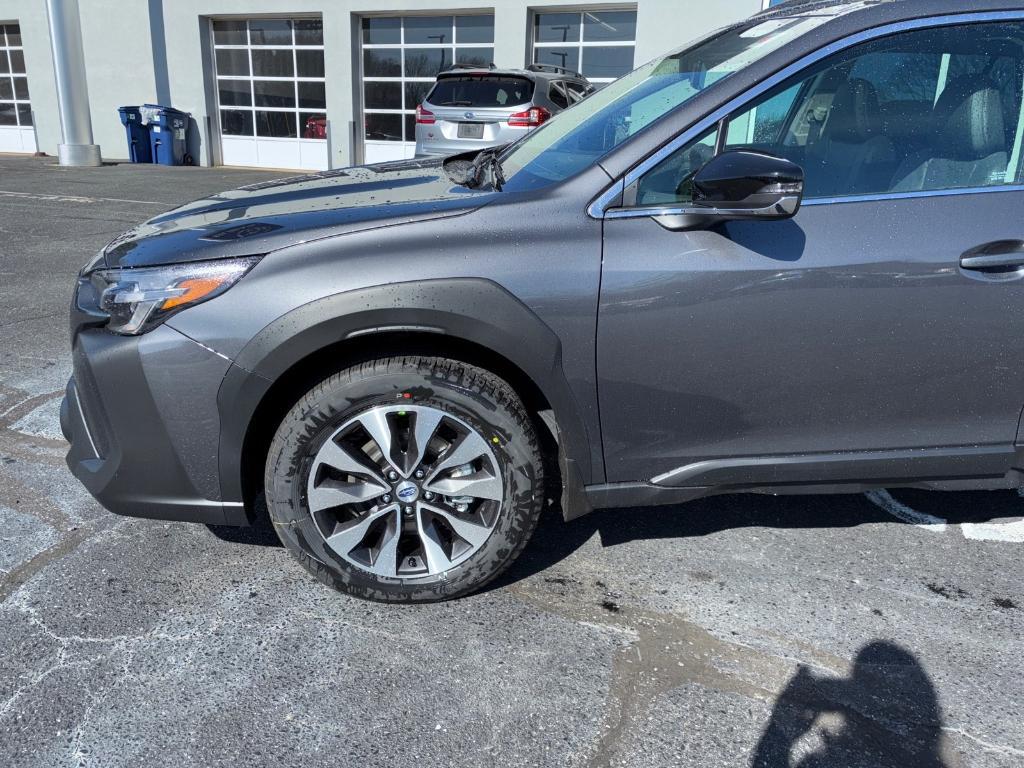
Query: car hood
{"points": [[264, 217]]}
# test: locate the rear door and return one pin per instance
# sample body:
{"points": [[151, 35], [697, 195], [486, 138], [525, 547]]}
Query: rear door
{"points": [[874, 336]]}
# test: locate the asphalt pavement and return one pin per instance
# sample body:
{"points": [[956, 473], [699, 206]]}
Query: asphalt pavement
{"points": [[862, 630]]}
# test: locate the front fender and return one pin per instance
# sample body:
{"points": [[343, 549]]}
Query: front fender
{"points": [[469, 309]]}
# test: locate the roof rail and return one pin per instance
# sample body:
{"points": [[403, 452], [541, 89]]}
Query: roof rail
{"points": [[553, 68], [466, 65]]}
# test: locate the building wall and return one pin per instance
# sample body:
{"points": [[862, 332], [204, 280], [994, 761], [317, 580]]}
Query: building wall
{"points": [[140, 51], [662, 25]]}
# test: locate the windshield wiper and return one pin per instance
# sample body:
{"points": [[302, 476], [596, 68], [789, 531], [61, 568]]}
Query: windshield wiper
{"points": [[488, 161], [456, 103]]}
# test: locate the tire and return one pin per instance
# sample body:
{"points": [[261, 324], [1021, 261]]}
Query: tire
{"points": [[469, 520]]}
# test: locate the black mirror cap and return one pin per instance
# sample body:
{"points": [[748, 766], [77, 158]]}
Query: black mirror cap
{"points": [[746, 178]]}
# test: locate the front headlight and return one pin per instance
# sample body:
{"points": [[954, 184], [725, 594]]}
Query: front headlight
{"points": [[139, 299]]}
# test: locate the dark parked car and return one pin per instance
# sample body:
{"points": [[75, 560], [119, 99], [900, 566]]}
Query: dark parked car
{"points": [[787, 259]]}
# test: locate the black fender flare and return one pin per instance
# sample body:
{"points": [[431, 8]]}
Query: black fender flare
{"points": [[469, 309]]}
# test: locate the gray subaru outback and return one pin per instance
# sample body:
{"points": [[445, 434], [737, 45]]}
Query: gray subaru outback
{"points": [[473, 108], [788, 258]]}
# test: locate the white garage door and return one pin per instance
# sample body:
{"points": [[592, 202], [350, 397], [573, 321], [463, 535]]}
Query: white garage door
{"points": [[16, 132], [401, 56], [271, 92]]}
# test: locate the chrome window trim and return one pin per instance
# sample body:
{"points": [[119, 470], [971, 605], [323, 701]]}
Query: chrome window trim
{"points": [[598, 207], [908, 195], [641, 212]]}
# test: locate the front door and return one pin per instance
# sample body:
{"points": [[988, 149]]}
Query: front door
{"points": [[851, 342]]}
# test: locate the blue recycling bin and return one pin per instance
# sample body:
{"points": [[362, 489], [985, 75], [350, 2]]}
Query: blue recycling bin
{"points": [[168, 134], [137, 133]]}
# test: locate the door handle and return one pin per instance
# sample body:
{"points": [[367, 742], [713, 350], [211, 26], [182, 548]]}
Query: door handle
{"points": [[998, 254]]}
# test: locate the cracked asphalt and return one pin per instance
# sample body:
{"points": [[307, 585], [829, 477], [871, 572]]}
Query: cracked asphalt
{"points": [[879, 630]]}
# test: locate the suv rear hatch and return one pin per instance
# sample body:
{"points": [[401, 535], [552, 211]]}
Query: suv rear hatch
{"points": [[476, 106]]}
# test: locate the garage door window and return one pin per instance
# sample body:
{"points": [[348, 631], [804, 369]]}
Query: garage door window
{"points": [[14, 104], [597, 43]]}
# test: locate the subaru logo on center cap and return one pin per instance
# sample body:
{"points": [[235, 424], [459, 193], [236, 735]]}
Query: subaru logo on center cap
{"points": [[469, 115], [407, 491]]}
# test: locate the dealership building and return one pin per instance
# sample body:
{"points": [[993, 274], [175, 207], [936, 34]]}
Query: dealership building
{"points": [[311, 84]]}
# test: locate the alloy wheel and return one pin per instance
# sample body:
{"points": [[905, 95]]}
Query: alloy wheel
{"points": [[405, 491]]}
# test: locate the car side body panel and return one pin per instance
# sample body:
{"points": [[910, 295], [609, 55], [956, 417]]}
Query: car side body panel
{"points": [[817, 335], [520, 292], [936, 423], [464, 309]]}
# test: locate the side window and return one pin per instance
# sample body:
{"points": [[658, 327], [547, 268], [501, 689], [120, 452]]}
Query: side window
{"points": [[932, 109], [763, 125], [557, 95], [576, 91], [669, 182]]}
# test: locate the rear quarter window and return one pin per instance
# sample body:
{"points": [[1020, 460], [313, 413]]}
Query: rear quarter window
{"points": [[556, 95], [481, 91]]}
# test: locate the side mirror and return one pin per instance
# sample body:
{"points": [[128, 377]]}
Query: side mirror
{"points": [[740, 184]]}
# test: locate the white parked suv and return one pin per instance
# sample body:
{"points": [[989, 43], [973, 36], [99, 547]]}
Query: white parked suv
{"points": [[477, 107]]}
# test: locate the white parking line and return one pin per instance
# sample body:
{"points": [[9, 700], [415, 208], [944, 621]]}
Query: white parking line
{"points": [[1013, 532], [77, 199]]}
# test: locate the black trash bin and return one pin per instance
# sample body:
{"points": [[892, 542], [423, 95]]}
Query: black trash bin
{"points": [[137, 133], [168, 134]]}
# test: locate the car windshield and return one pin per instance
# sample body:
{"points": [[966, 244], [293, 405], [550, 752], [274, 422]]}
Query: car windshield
{"points": [[477, 91], [579, 136]]}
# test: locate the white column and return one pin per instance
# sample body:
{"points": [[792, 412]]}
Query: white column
{"points": [[77, 147], [510, 34]]}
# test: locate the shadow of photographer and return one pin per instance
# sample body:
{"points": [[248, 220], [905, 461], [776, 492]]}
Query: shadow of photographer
{"points": [[886, 713]]}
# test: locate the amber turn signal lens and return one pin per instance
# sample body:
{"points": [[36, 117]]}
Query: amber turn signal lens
{"points": [[195, 289]]}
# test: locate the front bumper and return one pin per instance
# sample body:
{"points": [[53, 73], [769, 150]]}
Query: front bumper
{"points": [[141, 416]]}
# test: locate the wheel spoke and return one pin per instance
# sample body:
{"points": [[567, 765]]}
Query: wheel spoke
{"points": [[437, 560], [479, 485], [334, 493], [346, 539], [386, 561], [425, 423], [333, 455], [472, 533], [375, 422]]}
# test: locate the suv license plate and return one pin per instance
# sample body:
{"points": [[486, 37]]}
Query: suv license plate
{"points": [[471, 130]]}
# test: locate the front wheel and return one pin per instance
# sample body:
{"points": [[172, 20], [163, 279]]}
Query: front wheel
{"points": [[406, 479]]}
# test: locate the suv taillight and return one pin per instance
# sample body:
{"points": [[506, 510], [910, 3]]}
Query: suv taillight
{"points": [[531, 118], [424, 116]]}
